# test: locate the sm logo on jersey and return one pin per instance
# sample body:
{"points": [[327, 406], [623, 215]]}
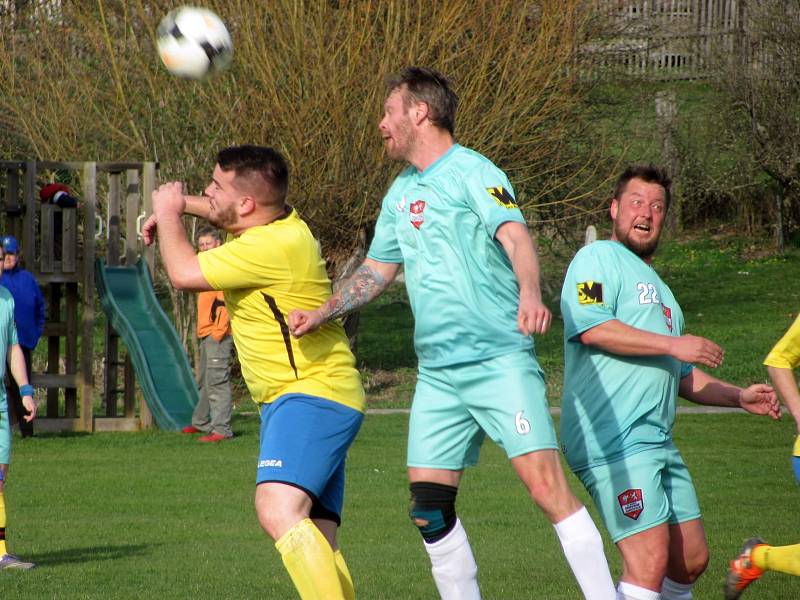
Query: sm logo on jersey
{"points": [[502, 196], [590, 292]]}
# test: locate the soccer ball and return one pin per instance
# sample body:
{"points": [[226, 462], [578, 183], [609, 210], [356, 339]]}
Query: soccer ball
{"points": [[193, 42]]}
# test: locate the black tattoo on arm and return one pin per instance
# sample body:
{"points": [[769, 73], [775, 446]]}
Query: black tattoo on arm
{"points": [[364, 285]]}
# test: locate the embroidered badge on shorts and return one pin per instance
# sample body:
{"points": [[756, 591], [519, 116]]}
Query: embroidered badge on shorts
{"points": [[631, 503], [590, 292], [416, 209]]}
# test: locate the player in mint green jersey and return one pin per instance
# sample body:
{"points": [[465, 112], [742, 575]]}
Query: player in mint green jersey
{"points": [[472, 276], [627, 359]]}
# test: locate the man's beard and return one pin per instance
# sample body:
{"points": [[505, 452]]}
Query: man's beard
{"points": [[643, 250], [403, 142], [223, 218]]}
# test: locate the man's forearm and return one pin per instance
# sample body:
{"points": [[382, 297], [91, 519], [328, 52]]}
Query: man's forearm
{"points": [[176, 251], [197, 206], [364, 285], [517, 243], [17, 366], [701, 388], [619, 338]]}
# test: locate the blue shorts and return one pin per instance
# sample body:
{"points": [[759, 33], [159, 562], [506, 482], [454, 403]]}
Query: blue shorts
{"points": [[5, 438], [304, 442], [456, 407], [641, 491]]}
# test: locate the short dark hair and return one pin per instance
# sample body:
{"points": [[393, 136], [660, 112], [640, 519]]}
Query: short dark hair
{"points": [[249, 160], [424, 84], [649, 173], [208, 231]]}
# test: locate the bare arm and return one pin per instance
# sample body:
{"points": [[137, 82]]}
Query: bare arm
{"points": [[16, 362], [193, 205], [197, 206], [177, 253], [618, 338], [702, 388], [532, 316], [368, 281], [786, 386]]}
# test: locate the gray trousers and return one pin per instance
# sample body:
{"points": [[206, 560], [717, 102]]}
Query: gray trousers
{"points": [[213, 412]]}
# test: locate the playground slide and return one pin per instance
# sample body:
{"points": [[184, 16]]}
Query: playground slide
{"points": [[161, 364]]}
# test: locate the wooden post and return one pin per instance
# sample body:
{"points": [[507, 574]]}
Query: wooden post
{"points": [[53, 348], [132, 201], [112, 259], [148, 187], [29, 253], [87, 341], [148, 254], [71, 347], [666, 116]]}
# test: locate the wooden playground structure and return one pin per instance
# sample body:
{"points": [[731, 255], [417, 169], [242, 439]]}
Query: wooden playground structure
{"points": [[59, 247]]}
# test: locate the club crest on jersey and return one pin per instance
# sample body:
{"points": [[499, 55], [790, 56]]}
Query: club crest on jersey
{"points": [[417, 208], [667, 315], [502, 196], [631, 503], [590, 292]]}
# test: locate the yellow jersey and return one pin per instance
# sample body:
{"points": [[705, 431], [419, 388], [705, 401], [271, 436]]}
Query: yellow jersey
{"points": [[786, 353], [265, 273]]}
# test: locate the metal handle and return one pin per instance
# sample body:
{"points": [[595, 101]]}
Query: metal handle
{"points": [[139, 221]]}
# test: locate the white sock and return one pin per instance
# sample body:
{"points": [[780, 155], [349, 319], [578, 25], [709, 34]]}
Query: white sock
{"points": [[672, 590], [583, 548], [453, 566], [628, 591]]}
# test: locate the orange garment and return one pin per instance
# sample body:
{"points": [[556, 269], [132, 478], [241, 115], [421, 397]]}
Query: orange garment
{"points": [[212, 316]]}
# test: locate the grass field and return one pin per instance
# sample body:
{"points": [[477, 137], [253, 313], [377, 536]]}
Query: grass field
{"points": [[159, 515], [156, 514]]}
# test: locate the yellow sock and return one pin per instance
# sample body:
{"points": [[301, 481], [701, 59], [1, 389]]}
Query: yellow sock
{"points": [[344, 576], [783, 559], [2, 524], [308, 558]]}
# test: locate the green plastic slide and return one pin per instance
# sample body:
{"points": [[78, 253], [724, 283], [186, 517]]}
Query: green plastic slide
{"points": [[162, 367]]}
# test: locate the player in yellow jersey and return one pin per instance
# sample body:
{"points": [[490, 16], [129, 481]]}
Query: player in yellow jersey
{"points": [[309, 392], [756, 557]]}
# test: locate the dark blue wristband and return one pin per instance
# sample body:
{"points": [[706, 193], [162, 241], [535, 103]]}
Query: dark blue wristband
{"points": [[26, 390]]}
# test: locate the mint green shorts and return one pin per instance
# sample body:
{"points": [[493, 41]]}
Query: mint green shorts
{"points": [[5, 438], [455, 407], [642, 490]]}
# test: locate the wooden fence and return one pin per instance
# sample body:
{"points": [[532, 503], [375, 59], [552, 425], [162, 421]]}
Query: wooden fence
{"points": [[664, 39]]}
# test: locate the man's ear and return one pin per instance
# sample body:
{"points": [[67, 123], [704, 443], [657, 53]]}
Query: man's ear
{"points": [[247, 205], [613, 208], [420, 112]]}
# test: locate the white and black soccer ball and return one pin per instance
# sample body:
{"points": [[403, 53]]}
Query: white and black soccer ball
{"points": [[193, 42]]}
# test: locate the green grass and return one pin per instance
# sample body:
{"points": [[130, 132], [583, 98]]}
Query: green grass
{"points": [[116, 515]]}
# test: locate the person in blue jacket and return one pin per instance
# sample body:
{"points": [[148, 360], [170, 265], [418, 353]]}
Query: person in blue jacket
{"points": [[29, 314]]}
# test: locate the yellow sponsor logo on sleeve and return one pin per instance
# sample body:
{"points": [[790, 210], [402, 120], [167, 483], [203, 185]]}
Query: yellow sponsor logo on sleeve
{"points": [[590, 292]]}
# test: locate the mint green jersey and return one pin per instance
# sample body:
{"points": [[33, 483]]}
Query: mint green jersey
{"points": [[614, 405], [440, 224], [8, 337]]}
